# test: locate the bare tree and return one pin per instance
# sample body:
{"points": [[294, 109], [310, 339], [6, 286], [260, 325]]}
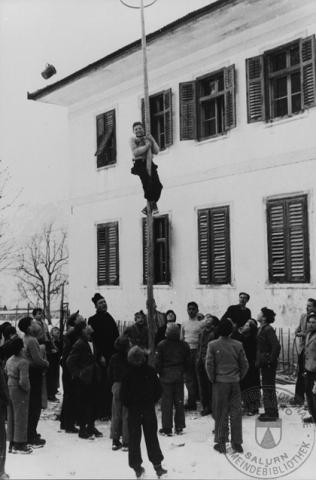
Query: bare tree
{"points": [[6, 201], [41, 267]]}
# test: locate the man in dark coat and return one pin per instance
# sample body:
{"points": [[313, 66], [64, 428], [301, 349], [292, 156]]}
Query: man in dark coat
{"points": [[239, 314], [84, 370], [4, 402], [105, 332]]}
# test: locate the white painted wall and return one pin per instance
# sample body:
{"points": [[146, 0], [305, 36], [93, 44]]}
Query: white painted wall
{"points": [[240, 169]]}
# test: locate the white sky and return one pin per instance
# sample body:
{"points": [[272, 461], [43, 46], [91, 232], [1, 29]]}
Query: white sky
{"points": [[33, 136]]}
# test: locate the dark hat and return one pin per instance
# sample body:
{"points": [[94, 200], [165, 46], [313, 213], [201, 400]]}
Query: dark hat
{"points": [[96, 298], [24, 324], [136, 356]]}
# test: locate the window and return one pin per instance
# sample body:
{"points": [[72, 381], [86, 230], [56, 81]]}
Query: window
{"points": [[108, 254], [161, 250], [288, 245], [207, 105], [281, 82], [106, 139], [214, 246], [160, 118]]}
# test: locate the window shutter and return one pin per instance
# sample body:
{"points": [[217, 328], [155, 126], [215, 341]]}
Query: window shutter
{"points": [[255, 89], [145, 265], [108, 254], [204, 246], [187, 99], [167, 97], [298, 261], [230, 104], [220, 246], [277, 241], [308, 66], [101, 254], [106, 134]]}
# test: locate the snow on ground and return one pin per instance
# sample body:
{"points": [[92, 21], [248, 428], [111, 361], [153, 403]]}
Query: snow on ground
{"points": [[190, 456]]}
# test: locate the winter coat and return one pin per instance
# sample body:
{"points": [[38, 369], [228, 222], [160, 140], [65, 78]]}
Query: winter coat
{"points": [[118, 367], [226, 361], [4, 391], [268, 347], [105, 332], [140, 387], [237, 314], [137, 334], [81, 362], [172, 359], [310, 352], [252, 377]]}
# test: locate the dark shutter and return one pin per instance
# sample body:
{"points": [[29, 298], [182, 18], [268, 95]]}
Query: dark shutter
{"points": [[308, 66], [161, 267], [230, 104], [106, 139], [108, 254], [187, 100], [288, 244], [145, 264], [255, 89], [214, 246], [167, 100], [204, 246]]}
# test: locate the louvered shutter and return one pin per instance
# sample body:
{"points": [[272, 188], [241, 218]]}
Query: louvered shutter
{"points": [[108, 254], [230, 104], [307, 46], [106, 139], [220, 246], [298, 251], [255, 89], [204, 246], [277, 241], [167, 97], [145, 264], [187, 100]]}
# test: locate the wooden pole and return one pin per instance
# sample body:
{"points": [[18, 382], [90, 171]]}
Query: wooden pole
{"points": [[150, 239]]}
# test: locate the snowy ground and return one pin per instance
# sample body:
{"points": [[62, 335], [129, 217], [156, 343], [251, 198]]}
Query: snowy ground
{"points": [[190, 456]]}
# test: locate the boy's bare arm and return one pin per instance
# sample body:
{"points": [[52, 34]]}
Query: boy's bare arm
{"points": [[138, 151], [154, 145]]}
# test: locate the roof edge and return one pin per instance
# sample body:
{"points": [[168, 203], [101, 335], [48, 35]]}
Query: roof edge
{"points": [[127, 49]]}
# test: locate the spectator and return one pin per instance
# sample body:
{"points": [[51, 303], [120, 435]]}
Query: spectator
{"points": [[9, 335], [4, 402], [85, 371], [17, 369], [226, 364], [239, 313], [207, 334], [172, 360], [117, 369], [138, 332], [190, 331], [105, 332], [36, 367], [161, 332], [310, 368], [53, 356], [250, 384], [268, 350], [139, 392]]}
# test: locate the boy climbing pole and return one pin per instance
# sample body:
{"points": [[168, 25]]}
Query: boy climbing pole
{"points": [[140, 144]]}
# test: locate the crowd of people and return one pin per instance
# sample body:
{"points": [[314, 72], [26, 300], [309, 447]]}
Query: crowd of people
{"points": [[226, 364]]}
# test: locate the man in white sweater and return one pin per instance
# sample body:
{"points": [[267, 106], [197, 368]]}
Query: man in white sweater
{"points": [[190, 330]]}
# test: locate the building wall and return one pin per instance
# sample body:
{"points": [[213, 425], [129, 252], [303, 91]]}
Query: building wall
{"points": [[242, 168]]}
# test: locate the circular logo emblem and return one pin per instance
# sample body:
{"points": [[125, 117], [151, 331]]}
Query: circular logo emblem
{"points": [[274, 449]]}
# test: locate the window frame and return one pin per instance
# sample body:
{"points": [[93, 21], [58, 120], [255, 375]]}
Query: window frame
{"points": [[106, 281], [109, 149], [166, 241], [166, 113]]}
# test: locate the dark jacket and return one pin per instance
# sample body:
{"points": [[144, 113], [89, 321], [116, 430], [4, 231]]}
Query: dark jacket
{"points": [[205, 337], [226, 361], [310, 352], [137, 334], [140, 387], [252, 378], [81, 362], [69, 340], [105, 332], [118, 367], [172, 360], [6, 350], [268, 347], [237, 314], [4, 391]]}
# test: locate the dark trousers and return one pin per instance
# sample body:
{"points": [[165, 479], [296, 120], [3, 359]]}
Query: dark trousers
{"points": [[191, 380], [270, 402], [86, 404], [145, 418], [104, 396], [151, 185], [52, 375], [227, 406], [300, 381], [35, 402], [119, 425], [3, 444], [310, 378], [68, 415], [172, 396], [205, 387]]}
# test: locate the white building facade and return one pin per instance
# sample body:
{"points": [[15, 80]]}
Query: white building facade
{"points": [[233, 106]]}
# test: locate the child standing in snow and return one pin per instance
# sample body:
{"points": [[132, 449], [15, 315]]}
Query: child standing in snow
{"points": [[140, 391]]}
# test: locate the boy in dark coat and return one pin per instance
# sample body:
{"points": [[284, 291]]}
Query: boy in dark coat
{"points": [[140, 391], [117, 370], [172, 360]]}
